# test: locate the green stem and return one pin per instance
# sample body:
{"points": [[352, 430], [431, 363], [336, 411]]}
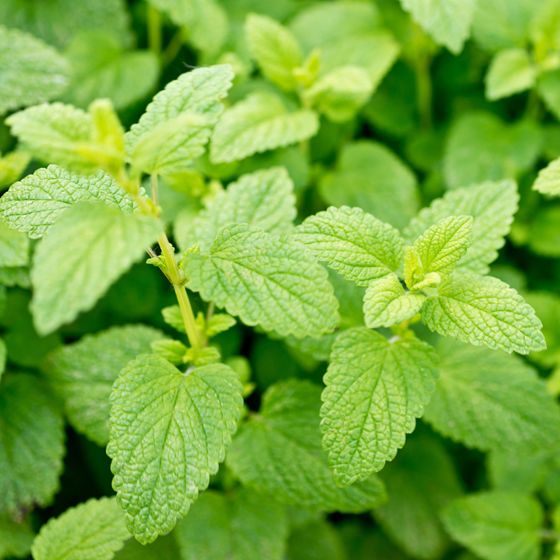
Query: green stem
{"points": [[173, 48], [154, 30], [424, 89]]}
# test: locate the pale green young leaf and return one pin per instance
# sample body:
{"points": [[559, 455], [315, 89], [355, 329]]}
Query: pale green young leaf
{"points": [[31, 71], [93, 530], [386, 302], [12, 166], [15, 276], [511, 71], [87, 249], [496, 525], [100, 68], [371, 177], [259, 123], [420, 482], [275, 49], [354, 243], [341, 93], [169, 432], [53, 133], [266, 280], [36, 202], [263, 199], [490, 400], [548, 180], [492, 206], [189, 107], [31, 442], [14, 247], [16, 537], [442, 245], [83, 374], [279, 451], [448, 22], [233, 526], [483, 311], [375, 390]]}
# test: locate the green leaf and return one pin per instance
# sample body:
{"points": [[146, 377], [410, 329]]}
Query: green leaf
{"points": [[492, 206], [101, 68], [386, 302], [54, 133], [368, 175], [263, 199], [447, 21], [279, 452], [259, 123], [481, 147], [14, 247], [169, 432], [31, 442], [30, 71], [420, 482], [548, 180], [15, 537], [162, 548], [341, 93], [266, 280], [511, 71], [178, 122], [36, 202], [87, 249], [490, 400], [543, 232], [497, 525], [354, 243], [12, 166], [83, 374], [2, 357], [375, 390], [275, 49], [233, 526], [94, 530], [548, 86], [316, 540], [483, 311]]}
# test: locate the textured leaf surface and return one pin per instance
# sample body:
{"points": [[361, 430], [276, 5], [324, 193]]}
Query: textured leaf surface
{"points": [[447, 21], [36, 202], [375, 390], [169, 432], [31, 443], [53, 132], [497, 525], [279, 451], [490, 400], [275, 49], [259, 123], [548, 181], [511, 71], [94, 530], [192, 99], [483, 311], [420, 482], [83, 254], [371, 177], [353, 242], [30, 71], [233, 527], [386, 302], [265, 280], [263, 199], [83, 374], [492, 206]]}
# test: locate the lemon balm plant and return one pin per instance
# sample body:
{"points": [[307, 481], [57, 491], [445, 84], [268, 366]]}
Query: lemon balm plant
{"points": [[243, 305]]}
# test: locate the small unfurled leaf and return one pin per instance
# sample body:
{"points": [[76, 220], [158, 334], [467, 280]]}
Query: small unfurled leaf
{"points": [[275, 49], [94, 530], [375, 390], [87, 249], [259, 123], [497, 525], [169, 432], [279, 451], [352, 242], [483, 311], [36, 202], [266, 280], [511, 71], [548, 181]]}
